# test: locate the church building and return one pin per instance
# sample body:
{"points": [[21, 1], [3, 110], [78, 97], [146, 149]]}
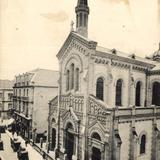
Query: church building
{"points": [[108, 105]]}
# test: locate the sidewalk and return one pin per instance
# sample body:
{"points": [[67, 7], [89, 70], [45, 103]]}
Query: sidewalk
{"points": [[51, 153], [32, 153]]}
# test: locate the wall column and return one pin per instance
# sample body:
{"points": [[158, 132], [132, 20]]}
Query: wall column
{"points": [[90, 150], [103, 152], [117, 145], [155, 133], [131, 87], [107, 154]]}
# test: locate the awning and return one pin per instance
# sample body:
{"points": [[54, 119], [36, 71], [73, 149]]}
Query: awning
{"points": [[23, 116], [6, 122]]}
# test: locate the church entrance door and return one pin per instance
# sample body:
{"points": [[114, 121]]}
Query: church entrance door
{"points": [[53, 139], [96, 154], [69, 145]]}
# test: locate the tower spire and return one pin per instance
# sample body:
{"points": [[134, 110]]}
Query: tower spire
{"points": [[82, 12]]}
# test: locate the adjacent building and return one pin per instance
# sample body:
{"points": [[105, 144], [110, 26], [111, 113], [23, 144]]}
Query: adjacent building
{"points": [[6, 93], [32, 92], [108, 106], [52, 123]]}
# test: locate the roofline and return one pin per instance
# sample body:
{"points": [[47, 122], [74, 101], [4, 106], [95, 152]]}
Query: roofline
{"points": [[35, 70], [123, 59], [74, 35], [54, 86], [7, 89]]}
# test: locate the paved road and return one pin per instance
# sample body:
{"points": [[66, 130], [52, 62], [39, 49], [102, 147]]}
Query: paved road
{"points": [[7, 153]]}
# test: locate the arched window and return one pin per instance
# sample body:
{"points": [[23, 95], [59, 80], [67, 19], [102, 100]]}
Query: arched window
{"points": [[72, 76], [138, 94], [96, 136], [119, 93], [77, 21], [156, 94], [77, 79], [143, 144], [80, 19], [99, 88], [53, 120], [67, 80], [85, 19]]}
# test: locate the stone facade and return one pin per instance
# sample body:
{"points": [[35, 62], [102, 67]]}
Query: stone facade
{"points": [[32, 92], [108, 102], [6, 94]]}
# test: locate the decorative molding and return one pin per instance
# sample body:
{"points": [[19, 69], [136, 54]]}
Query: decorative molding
{"points": [[100, 60], [70, 43], [73, 58], [97, 128], [115, 58], [154, 72], [74, 101]]}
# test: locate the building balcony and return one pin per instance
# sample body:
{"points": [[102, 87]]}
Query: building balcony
{"points": [[25, 98], [21, 84], [19, 98], [24, 116], [14, 97]]}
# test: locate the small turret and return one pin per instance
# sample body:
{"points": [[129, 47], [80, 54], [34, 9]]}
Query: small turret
{"points": [[82, 12]]}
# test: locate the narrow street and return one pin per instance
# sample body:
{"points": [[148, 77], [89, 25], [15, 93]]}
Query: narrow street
{"points": [[9, 154]]}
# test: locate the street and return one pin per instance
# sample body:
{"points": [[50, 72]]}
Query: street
{"points": [[9, 154]]}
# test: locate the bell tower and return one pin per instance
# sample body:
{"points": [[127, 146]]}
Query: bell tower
{"points": [[82, 12]]}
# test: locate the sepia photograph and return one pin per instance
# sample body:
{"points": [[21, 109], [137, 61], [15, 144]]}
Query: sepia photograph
{"points": [[80, 80]]}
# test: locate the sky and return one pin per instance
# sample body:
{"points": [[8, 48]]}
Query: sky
{"points": [[33, 31]]}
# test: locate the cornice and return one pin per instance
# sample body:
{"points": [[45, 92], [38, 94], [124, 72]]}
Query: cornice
{"points": [[5, 89], [154, 72], [116, 63], [28, 86], [128, 60], [120, 64], [100, 60], [140, 68]]}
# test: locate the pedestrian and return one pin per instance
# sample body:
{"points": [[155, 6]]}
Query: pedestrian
{"points": [[26, 142], [44, 155]]}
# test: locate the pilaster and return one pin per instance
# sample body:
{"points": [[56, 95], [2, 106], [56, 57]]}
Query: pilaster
{"points": [[155, 131]]}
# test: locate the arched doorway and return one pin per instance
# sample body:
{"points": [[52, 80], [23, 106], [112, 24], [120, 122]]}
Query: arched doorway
{"points": [[156, 93], [69, 142], [96, 152], [53, 144]]}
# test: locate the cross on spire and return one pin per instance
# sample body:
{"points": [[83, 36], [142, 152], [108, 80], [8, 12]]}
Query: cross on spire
{"points": [[72, 24]]}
